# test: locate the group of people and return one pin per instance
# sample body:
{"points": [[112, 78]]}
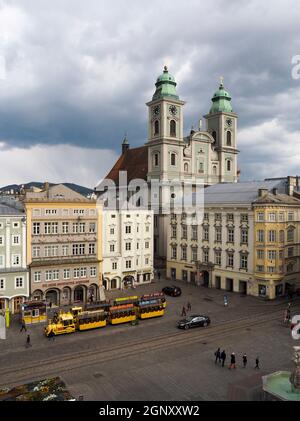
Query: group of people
{"points": [[186, 309], [220, 357]]}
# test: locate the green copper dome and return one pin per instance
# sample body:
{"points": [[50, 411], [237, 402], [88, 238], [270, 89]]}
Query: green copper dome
{"points": [[221, 101], [165, 86]]}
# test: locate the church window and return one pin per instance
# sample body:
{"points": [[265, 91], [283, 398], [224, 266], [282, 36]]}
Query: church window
{"points": [[173, 159], [214, 170], [156, 160], [228, 138], [201, 167], [214, 135], [156, 127], [186, 167], [228, 165], [173, 128]]}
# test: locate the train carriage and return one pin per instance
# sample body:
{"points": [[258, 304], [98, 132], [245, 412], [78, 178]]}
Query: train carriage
{"points": [[149, 309], [91, 320], [122, 314], [155, 296]]}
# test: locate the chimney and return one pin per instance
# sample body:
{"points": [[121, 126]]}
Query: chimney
{"points": [[291, 185], [262, 192]]}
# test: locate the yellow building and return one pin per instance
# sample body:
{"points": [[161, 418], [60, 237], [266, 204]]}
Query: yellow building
{"points": [[276, 243], [64, 245]]}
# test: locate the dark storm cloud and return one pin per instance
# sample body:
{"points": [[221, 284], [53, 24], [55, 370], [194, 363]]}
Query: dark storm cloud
{"points": [[80, 73]]}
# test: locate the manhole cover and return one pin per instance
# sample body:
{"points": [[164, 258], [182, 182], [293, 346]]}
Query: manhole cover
{"points": [[96, 375]]}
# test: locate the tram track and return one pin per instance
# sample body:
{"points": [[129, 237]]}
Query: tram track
{"points": [[78, 360]]}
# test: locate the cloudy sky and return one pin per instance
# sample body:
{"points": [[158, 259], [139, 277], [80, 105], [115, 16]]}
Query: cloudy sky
{"points": [[75, 75]]}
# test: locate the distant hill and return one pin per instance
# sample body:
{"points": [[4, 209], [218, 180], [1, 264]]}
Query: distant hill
{"points": [[16, 187]]}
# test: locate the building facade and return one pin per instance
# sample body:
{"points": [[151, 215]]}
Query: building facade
{"points": [[64, 245], [14, 279], [127, 248]]}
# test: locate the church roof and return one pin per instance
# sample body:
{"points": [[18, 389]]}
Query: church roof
{"points": [[221, 101], [134, 161]]}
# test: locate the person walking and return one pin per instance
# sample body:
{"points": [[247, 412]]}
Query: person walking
{"points": [[232, 361], [158, 275], [223, 357], [28, 343], [257, 363], [51, 335], [183, 312], [189, 306], [225, 301], [218, 355], [245, 360], [23, 327]]}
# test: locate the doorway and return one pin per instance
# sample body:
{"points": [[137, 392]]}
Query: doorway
{"points": [[229, 284], [243, 287]]}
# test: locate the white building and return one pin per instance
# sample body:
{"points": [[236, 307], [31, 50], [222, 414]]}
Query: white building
{"points": [[127, 248]]}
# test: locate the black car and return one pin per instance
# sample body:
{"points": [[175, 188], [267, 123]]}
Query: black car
{"points": [[173, 291], [194, 321]]}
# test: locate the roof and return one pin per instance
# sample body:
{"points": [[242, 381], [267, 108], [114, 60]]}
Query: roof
{"points": [[134, 161], [283, 199], [6, 210], [239, 193]]}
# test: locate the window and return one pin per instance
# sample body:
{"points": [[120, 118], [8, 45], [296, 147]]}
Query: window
{"points": [[230, 217], [290, 268], [15, 240], [186, 167], [260, 254], [2, 284], [218, 217], [183, 253], [214, 170], [78, 211], [156, 128], [156, 160], [201, 167], [194, 254], [127, 246], [206, 216], [205, 255], [218, 257], [92, 248], [81, 227], [173, 159], [128, 229], [206, 233], [281, 255], [78, 249], [55, 275], [272, 236], [54, 251], [147, 228], [290, 234], [16, 260], [19, 282], [230, 235], [228, 138], [271, 269], [66, 273], [112, 231], [281, 236], [1, 240], [272, 217], [92, 227], [214, 135], [194, 232], [93, 272], [1, 261], [290, 251], [184, 232], [82, 272], [114, 265], [47, 251], [65, 250], [48, 275], [218, 234], [260, 268], [76, 273], [75, 227], [36, 228], [230, 259], [54, 228], [173, 128], [112, 247], [244, 217], [281, 216], [272, 254], [290, 216], [146, 244], [128, 264], [65, 227], [228, 165], [244, 261], [260, 236], [174, 231], [35, 251], [51, 212], [47, 228], [137, 246], [244, 236], [174, 252], [260, 217]]}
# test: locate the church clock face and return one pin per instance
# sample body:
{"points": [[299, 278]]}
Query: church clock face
{"points": [[173, 110], [229, 122], [156, 110]]}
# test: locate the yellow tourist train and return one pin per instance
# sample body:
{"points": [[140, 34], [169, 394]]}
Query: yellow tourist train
{"points": [[96, 315]]}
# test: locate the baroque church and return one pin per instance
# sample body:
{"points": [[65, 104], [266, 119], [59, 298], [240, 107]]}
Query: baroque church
{"points": [[208, 154]]}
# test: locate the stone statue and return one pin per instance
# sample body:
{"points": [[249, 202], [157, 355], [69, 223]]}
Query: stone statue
{"points": [[295, 376]]}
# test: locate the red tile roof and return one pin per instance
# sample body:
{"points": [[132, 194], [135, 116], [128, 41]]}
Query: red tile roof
{"points": [[134, 161]]}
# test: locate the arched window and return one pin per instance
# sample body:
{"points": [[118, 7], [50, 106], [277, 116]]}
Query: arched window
{"points": [[228, 138], [156, 127], [214, 135], [186, 167], [228, 165], [201, 167], [173, 128], [173, 159], [214, 170]]}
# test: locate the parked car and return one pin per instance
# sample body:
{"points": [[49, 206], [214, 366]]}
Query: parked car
{"points": [[173, 291], [194, 321]]}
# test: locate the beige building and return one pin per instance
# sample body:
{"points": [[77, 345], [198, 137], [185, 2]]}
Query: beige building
{"points": [[221, 251], [64, 245], [127, 248]]}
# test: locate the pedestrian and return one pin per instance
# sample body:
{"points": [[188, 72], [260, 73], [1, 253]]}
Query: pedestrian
{"points": [[257, 363], [50, 305], [158, 275], [232, 361], [225, 301], [51, 335], [28, 343], [223, 357], [288, 314], [189, 306], [245, 360], [23, 326], [183, 312], [286, 317], [218, 355]]}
